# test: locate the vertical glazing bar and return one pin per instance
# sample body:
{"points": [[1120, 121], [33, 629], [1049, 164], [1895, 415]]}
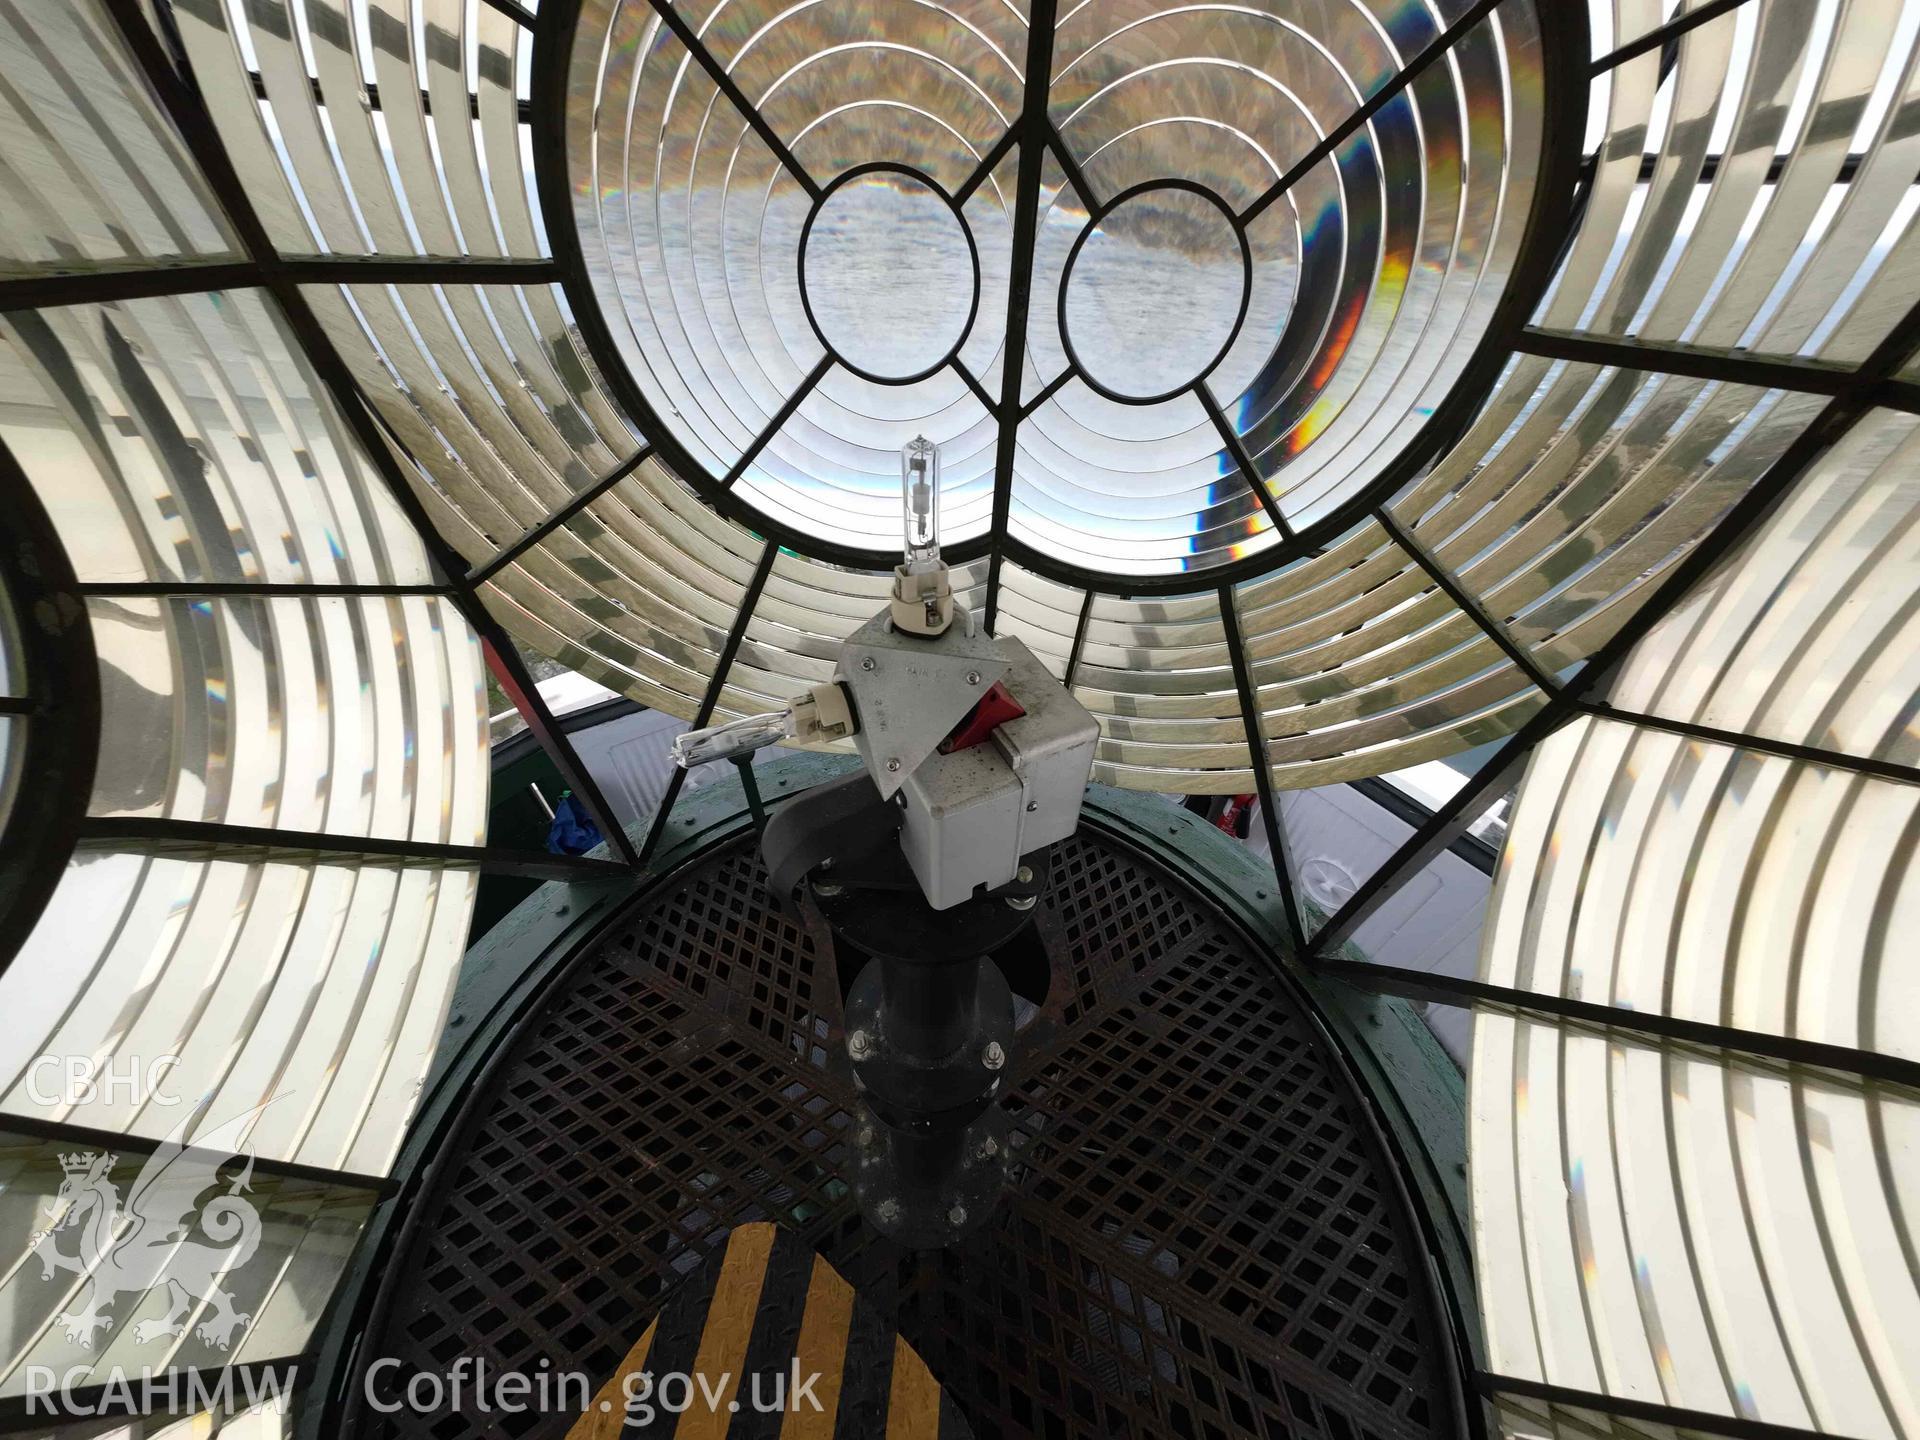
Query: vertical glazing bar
{"points": [[1447, 824], [744, 764], [1262, 774], [1467, 602], [1035, 131], [1236, 448], [534, 534], [506, 666], [1661, 36], [1079, 640], [1375, 103]]}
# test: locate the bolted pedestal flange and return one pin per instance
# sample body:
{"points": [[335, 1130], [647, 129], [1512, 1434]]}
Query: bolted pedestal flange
{"points": [[929, 1044], [927, 1189], [929, 1019]]}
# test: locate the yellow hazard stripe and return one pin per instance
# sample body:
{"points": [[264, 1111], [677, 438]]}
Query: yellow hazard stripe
{"points": [[822, 1350], [730, 1317], [913, 1404]]}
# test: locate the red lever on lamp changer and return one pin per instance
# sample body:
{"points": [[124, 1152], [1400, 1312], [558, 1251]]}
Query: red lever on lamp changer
{"points": [[996, 707]]}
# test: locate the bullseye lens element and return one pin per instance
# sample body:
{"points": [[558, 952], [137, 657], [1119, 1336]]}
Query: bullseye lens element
{"points": [[888, 275], [864, 235], [1155, 293]]}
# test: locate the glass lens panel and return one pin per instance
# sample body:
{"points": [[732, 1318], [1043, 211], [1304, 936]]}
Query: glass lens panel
{"points": [[189, 1302], [255, 711], [94, 175], [1735, 1223], [215, 988], [1330, 313], [189, 439], [1806, 633]]}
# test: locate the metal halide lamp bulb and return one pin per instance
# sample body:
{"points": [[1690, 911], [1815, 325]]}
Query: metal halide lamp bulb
{"points": [[736, 737], [818, 717], [922, 590], [920, 494], [922, 605]]}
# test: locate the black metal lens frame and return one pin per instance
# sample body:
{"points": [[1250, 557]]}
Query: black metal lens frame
{"points": [[1033, 135], [60, 706]]}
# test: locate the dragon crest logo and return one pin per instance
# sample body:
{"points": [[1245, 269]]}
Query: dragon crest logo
{"points": [[146, 1242]]}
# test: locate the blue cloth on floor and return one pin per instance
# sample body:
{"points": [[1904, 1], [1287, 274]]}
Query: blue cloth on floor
{"points": [[572, 831]]}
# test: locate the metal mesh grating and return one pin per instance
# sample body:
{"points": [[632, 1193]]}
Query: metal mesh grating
{"points": [[1203, 1136], [1111, 926], [1198, 1245], [728, 948]]}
